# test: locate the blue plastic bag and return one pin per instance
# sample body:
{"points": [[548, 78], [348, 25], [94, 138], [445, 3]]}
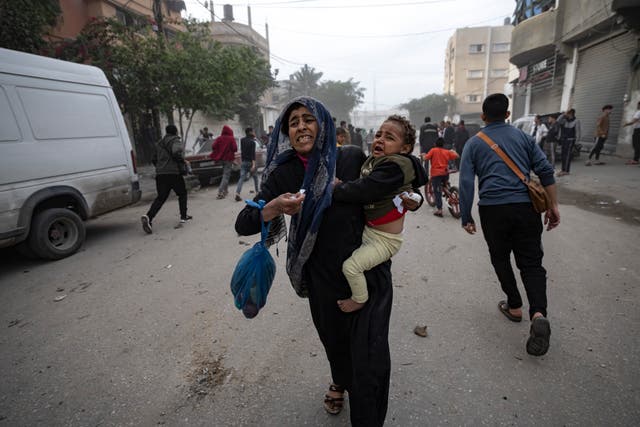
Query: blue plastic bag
{"points": [[254, 273]]}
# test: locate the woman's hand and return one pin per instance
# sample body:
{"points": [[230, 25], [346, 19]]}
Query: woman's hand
{"points": [[287, 203]]}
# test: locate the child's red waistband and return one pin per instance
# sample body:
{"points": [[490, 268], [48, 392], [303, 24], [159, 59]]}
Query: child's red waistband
{"points": [[390, 216]]}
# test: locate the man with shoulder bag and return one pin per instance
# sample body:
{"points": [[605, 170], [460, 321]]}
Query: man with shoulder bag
{"points": [[510, 206], [170, 167]]}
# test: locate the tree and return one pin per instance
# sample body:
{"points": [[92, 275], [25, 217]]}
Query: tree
{"points": [[254, 77], [340, 97], [24, 23], [206, 76], [187, 73], [433, 105], [304, 82]]}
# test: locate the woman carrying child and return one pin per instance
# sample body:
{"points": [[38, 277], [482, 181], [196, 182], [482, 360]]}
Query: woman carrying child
{"points": [[322, 234]]}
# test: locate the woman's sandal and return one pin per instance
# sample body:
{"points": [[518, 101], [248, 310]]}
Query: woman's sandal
{"points": [[333, 405]]}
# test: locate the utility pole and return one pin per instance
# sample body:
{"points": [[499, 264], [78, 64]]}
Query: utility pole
{"points": [[157, 15], [162, 38]]}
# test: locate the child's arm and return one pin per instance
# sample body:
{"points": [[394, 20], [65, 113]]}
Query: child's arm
{"points": [[383, 179]]}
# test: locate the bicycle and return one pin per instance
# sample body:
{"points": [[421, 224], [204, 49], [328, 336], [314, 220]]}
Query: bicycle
{"points": [[450, 194]]}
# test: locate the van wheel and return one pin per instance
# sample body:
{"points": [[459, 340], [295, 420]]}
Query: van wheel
{"points": [[56, 233]]}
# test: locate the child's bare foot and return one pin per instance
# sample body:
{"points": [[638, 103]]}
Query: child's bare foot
{"points": [[349, 305]]}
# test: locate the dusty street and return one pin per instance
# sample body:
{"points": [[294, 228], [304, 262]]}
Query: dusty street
{"points": [[147, 333]]}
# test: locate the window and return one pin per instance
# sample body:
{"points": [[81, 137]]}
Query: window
{"points": [[8, 126], [475, 74], [500, 72], [526, 9], [472, 99], [501, 47], [54, 114], [476, 48], [130, 19]]}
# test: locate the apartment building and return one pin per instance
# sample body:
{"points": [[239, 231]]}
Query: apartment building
{"points": [[77, 13], [476, 65], [579, 54]]}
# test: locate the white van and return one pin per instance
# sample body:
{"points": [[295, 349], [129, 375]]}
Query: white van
{"points": [[65, 154]]}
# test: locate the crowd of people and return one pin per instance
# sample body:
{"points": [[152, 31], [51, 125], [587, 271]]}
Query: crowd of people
{"points": [[564, 130], [347, 213]]}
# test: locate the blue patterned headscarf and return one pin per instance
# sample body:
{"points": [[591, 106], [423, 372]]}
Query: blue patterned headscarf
{"points": [[317, 183]]}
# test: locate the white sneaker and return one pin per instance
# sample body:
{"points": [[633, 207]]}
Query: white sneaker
{"points": [[146, 224], [185, 219]]}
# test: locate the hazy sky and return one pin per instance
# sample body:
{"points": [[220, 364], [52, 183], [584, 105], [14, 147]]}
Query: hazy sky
{"points": [[394, 48]]}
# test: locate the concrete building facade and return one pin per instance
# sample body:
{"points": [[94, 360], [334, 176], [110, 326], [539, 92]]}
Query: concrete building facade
{"points": [[476, 65], [580, 54]]}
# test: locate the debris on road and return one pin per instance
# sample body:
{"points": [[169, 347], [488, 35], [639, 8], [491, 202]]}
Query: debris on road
{"points": [[60, 298], [420, 331], [168, 266]]}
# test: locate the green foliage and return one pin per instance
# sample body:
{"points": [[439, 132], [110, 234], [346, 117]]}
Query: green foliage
{"points": [[187, 73], [305, 81], [340, 97], [23, 23], [433, 105]]}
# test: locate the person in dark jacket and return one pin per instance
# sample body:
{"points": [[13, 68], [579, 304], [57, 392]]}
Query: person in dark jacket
{"points": [[322, 235], [552, 139], [168, 160], [427, 140], [448, 135], [248, 157], [460, 138], [224, 150]]}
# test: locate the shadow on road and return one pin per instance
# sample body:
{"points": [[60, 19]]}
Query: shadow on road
{"points": [[601, 204]]}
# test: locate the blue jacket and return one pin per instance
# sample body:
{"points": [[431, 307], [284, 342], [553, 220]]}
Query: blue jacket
{"points": [[497, 184]]}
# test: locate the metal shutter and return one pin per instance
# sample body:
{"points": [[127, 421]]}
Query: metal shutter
{"points": [[603, 78]]}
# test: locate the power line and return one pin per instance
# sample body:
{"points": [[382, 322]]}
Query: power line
{"points": [[351, 36], [283, 5]]}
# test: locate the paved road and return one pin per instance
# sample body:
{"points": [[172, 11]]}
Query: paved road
{"points": [[147, 333]]}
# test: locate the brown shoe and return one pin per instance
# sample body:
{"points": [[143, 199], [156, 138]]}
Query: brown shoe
{"points": [[238, 198]]}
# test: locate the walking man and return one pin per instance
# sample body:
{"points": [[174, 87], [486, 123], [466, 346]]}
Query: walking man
{"points": [[168, 160], [602, 130], [539, 131], [551, 139], [447, 134], [570, 133], [224, 151], [509, 222], [635, 122], [460, 138], [427, 140], [248, 165]]}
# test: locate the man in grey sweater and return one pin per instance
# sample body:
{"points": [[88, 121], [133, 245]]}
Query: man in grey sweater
{"points": [[169, 162], [569, 135]]}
